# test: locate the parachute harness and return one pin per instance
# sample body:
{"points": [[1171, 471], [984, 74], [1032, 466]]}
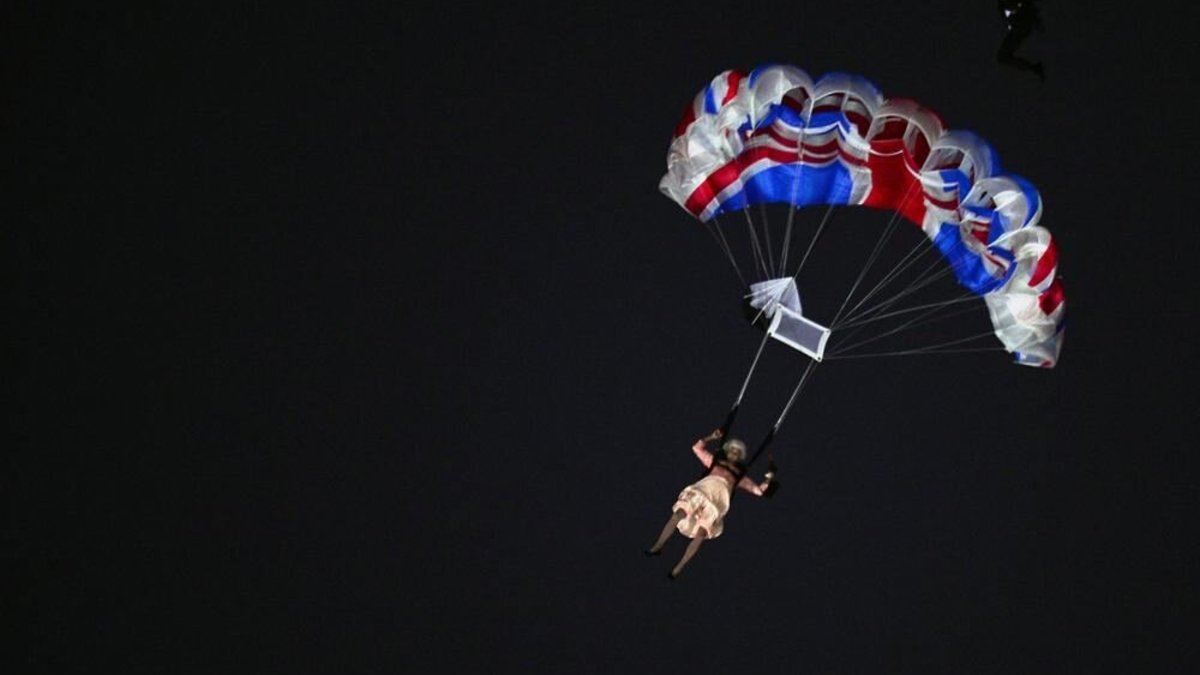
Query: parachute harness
{"points": [[732, 415]]}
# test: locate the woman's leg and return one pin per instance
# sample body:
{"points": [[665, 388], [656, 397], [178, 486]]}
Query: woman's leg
{"points": [[693, 546], [667, 531]]}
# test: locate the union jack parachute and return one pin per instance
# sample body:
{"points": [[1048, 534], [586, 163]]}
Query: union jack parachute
{"points": [[776, 136]]}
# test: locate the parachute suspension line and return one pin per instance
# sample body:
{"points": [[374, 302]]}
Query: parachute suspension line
{"points": [[787, 239], [924, 246], [911, 289], [812, 365], [841, 349], [755, 247], [745, 383], [766, 225], [865, 320], [932, 349], [815, 237], [887, 233], [925, 278], [914, 353], [922, 281], [931, 318], [966, 297], [753, 366], [714, 228], [787, 233]]}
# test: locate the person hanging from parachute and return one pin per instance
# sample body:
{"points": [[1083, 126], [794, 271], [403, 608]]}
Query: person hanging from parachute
{"points": [[1021, 17], [699, 511], [777, 136]]}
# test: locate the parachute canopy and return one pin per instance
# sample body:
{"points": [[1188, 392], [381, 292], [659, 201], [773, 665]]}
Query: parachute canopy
{"points": [[777, 136]]}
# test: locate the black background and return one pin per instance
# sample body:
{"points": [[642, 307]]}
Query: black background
{"points": [[361, 340]]}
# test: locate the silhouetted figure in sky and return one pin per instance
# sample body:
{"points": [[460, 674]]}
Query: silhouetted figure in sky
{"points": [[1022, 17]]}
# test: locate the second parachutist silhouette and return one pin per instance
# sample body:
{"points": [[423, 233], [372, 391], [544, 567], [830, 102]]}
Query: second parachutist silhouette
{"points": [[1021, 17]]}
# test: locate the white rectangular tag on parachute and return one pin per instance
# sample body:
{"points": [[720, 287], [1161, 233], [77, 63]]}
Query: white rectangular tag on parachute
{"points": [[779, 301]]}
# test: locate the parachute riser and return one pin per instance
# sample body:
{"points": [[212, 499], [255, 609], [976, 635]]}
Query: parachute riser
{"points": [[766, 442]]}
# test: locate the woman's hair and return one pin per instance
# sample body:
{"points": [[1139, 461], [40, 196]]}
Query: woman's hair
{"points": [[734, 450]]}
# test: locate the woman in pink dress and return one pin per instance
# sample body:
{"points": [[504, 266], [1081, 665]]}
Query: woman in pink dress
{"points": [[699, 511]]}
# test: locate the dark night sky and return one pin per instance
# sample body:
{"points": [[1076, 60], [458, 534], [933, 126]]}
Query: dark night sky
{"points": [[361, 340]]}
